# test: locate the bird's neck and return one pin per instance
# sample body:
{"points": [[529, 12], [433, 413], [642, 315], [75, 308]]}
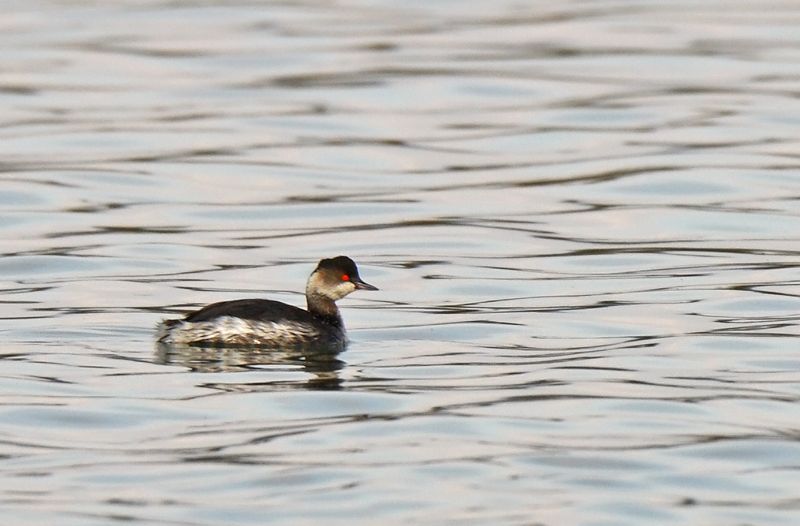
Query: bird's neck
{"points": [[323, 308]]}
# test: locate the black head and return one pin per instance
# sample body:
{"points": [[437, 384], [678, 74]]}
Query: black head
{"points": [[336, 278]]}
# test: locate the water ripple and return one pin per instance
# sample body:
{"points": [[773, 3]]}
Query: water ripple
{"points": [[581, 218]]}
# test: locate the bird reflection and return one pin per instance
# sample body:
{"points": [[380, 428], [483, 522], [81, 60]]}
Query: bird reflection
{"points": [[321, 364]]}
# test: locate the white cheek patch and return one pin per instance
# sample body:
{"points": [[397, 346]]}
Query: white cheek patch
{"points": [[343, 289]]}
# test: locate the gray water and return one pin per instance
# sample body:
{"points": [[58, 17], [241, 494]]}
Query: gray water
{"points": [[583, 218]]}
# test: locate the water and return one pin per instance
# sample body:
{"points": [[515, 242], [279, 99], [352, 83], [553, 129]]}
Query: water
{"points": [[583, 218]]}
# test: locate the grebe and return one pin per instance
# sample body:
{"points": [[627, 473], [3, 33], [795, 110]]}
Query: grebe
{"points": [[267, 323]]}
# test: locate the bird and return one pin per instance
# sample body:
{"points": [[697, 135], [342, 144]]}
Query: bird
{"points": [[268, 323]]}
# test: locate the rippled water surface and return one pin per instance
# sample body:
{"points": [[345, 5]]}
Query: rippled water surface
{"points": [[583, 218]]}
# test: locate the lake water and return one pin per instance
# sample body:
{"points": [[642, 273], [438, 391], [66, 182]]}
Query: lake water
{"points": [[583, 217]]}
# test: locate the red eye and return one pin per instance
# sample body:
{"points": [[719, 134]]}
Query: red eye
{"points": [[345, 277]]}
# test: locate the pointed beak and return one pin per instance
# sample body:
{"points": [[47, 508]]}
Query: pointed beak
{"points": [[363, 285]]}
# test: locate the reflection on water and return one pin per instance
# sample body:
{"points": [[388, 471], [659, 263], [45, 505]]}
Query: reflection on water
{"points": [[321, 366], [583, 217]]}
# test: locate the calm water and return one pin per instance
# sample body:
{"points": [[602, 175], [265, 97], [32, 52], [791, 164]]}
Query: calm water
{"points": [[583, 218]]}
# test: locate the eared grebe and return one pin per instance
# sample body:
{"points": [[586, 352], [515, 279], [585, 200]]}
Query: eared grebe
{"points": [[272, 323]]}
